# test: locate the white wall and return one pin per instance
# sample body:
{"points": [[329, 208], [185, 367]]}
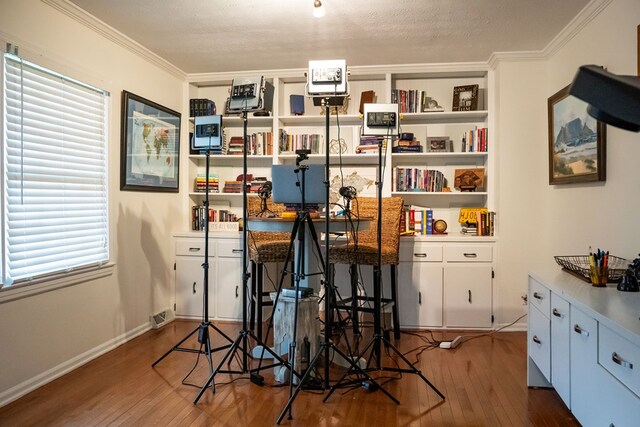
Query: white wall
{"points": [[538, 221], [45, 331]]}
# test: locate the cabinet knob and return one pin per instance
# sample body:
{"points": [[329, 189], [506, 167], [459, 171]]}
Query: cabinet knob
{"points": [[470, 255], [236, 291], [420, 255], [194, 249], [194, 287], [236, 251], [536, 339], [537, 296], [557, 313], [579, 330], [469, 296], [419, 298], [620, 361]]}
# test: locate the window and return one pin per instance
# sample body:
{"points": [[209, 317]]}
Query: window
{"points": [[55, 213]]}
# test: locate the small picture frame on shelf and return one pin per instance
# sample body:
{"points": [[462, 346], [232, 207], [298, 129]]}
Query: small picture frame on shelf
{"points": [[469, 179], [439, 144], [465, 98]]}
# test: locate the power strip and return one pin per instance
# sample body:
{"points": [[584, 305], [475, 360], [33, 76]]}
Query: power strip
{"points": [[451, 344]]}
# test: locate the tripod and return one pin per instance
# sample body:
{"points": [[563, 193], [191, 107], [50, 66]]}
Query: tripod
{"points": [[327, 344], [203, 329], [242, 341], [378, 337]]}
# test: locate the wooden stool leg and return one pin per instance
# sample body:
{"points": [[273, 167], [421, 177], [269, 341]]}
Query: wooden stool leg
{"points": [[394, 298], [259, 291], [254, 298], [353, 273]]}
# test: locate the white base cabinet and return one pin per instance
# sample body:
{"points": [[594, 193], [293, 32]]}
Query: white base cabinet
{"points": [[446, 284], [225, 277], [585, 342]]}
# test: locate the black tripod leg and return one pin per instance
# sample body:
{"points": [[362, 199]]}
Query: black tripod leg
{"points": [[299, 387], [359, 370], [175, 346], [413, 368], [233, 348]]}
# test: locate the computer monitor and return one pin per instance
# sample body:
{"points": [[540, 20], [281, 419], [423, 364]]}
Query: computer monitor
{"points": [[285, 188]]}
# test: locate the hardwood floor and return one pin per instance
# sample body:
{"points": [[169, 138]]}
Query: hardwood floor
{"points": [[484, 381]]}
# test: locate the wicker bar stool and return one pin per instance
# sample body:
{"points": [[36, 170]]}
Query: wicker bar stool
{"points": [[367, 254], [264, 247]]}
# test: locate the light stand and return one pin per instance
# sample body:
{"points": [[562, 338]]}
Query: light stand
{"points": [[203, 329], [382, 119], [327, 344], [241, 342]]}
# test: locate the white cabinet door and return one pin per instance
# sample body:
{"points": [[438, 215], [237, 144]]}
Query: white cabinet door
{"points": [[560, 337], [467, 295], [228, 288], [190, 289], [420, 294], [586, 396]]}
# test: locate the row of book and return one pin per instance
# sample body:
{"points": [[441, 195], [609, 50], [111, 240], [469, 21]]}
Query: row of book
{"points": [[417, 220], [418, 179], [201, 107], [199, 216], [258, 144], [290, 143], [474, 140], [201, 183], [484, 225], [410, 101]]}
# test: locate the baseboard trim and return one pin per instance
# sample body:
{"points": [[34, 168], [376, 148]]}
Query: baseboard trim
{"points": [[49, 375]]}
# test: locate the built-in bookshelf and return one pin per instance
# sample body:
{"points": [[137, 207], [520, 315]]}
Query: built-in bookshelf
{"points": [[425, 87]]}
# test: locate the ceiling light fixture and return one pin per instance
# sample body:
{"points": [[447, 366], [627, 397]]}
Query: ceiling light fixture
{"points": [[318, 9]]}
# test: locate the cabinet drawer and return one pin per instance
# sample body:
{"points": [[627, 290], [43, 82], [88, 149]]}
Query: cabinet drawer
{"points": [[540, 297], [539, 341], [465, 253], [421, 253], [620, 357], [193, 247], [230, 248]]}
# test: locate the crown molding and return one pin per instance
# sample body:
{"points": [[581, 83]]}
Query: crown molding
{"points": [[584, 17], [79, 15]]}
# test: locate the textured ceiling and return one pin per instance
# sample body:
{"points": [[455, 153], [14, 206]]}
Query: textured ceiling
{"points": [[201, 36]]}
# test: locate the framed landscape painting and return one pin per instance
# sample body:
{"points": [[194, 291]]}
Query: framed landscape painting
{"points": [[577, 141]]}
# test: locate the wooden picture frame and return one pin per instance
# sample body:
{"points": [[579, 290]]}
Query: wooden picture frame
{"points": [[577, 141], [465, 98], [150, 146], [471, 179], [439, 144]]}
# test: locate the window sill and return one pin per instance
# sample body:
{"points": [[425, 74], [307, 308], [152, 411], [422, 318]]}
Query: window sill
{"points": [[51, 283]]}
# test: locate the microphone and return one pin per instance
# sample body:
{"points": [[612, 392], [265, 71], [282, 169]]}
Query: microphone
{"points": [[265, 189], [348, 193]]}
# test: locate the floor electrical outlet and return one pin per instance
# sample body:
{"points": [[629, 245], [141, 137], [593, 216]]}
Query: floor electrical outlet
{"points": [[451, 344]]}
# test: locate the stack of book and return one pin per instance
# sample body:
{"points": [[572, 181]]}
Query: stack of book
{"points": [[236, 145], [418, 179], [407, 146], [257, 183], [214, 183], [470, 229], [232, 187], [474, 140], [369, 145], [201, 107]]}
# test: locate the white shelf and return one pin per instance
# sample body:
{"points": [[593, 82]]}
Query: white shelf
{"points": [[441, 194], [347, 159], [252, 121], [231, 158], [451, 155], [320, 120], [444, 117]]}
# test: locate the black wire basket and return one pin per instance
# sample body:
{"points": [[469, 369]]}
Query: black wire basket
{"points": [[578, 265]]}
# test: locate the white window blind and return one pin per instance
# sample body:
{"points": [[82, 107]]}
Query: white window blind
{"points": [[55, 173]]}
